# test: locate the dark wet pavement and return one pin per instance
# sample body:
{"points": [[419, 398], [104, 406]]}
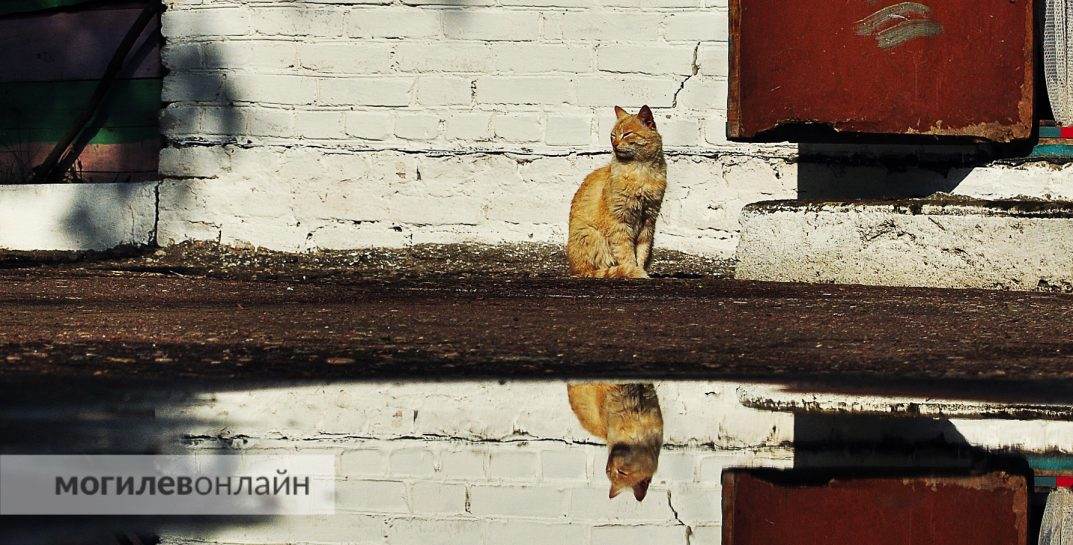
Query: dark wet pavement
{"points": [[103, 326]]}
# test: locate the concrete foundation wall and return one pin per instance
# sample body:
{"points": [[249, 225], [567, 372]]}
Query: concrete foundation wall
{"points": [[952, 244]]}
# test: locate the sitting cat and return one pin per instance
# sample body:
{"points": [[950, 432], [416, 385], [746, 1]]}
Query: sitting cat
{"points": [[627, 416], [613, 214]]}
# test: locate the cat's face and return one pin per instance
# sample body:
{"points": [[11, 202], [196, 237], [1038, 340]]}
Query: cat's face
{"points": [[631, 466], [634, 137]]}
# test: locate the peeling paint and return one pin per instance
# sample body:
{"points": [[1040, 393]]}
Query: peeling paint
{"points": [[891, 14], [907, 31]]}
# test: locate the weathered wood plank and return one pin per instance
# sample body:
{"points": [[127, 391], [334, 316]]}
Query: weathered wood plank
{"points": [[74, 46], [47, 109], [50, 64], [130, 161]]}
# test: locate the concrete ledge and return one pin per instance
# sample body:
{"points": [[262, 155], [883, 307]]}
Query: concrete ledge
{"points": [[766, 397], [76, 216], [937, 242]]}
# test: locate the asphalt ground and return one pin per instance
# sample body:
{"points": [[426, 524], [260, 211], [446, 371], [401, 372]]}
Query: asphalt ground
{"points": [[439, 313]]}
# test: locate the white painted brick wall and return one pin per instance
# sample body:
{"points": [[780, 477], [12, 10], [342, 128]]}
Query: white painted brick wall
{"points": [[446, 122], [449, 122]]}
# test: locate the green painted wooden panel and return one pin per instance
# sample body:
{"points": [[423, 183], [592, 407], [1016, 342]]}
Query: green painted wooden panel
{"points": [[54, 51], [10, 138], [1053, 151], [46, 110], [1051, 463]]}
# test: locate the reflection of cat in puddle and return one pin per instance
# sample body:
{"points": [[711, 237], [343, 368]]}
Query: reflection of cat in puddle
{"points": [[627, 416]]}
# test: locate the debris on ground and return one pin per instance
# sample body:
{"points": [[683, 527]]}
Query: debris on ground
{"points": [[419, 261]]}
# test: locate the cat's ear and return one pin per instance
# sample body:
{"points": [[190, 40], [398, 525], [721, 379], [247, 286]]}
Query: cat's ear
{"points": [[645, 115], [616, 489], [641, 488], [620, 113]]}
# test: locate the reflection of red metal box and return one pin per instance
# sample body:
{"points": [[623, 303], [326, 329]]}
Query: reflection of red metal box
{"points": [[774, 508], [950, 67]]}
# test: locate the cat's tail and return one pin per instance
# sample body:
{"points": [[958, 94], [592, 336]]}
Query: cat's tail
{"points": [[618, 271]]}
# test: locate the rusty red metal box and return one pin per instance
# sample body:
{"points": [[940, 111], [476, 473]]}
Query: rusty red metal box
{"points": [[932, 67], [774, 508]]}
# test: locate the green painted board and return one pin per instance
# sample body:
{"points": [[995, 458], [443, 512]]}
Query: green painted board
{"points": [[1054, 151], [52, 107], [1051, 463], [53, 53], [13, 138]]}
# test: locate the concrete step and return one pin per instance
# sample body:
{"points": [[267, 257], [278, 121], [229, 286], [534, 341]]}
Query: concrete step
{"points": [[801, 400], [942, 241]]}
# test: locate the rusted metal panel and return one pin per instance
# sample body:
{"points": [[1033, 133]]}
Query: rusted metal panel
{"points": [[782, 509], [948, 68]]}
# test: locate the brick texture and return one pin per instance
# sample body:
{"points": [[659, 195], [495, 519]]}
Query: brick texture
{"points": [[441, 82]]}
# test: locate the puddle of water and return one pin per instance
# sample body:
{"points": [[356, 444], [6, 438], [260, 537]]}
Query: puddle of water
{"points": [[482, 461]]}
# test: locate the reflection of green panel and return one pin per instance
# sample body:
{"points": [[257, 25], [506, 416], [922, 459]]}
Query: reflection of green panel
{"points": [[25, 6], [1051, 463], [1053, 151], [56, 105]]}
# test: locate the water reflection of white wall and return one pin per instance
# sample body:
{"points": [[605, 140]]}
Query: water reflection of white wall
{"points": [[484, 462], [695, 412]]}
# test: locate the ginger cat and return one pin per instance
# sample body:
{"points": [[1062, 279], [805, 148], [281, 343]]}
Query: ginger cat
{"points": [[613, 214], [627, 416]]}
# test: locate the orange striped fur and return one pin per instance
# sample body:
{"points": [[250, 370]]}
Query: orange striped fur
{"points": [[613, 214], [628, 417]]}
